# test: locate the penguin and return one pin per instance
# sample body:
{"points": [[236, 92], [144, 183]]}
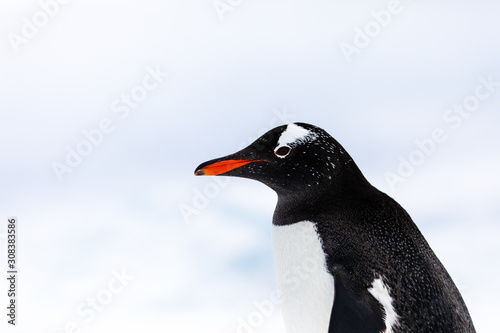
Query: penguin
{"points": [[348, 258]]}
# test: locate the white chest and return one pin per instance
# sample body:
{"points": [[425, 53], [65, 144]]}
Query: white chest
{"points": [[306, 288]]}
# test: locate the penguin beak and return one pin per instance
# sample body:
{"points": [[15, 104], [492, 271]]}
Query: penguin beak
{"points": [[220, 166]]}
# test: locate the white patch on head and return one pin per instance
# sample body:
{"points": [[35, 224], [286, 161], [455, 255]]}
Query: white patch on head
{"points": [[304, 284], [293, 134], [381, 293]]}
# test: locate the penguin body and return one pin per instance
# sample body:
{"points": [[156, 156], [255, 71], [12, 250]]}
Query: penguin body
{"points": [[348, 258]]}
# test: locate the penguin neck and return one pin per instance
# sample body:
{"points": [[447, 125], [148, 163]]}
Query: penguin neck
{"points": [[311, 203], [291, 209]]}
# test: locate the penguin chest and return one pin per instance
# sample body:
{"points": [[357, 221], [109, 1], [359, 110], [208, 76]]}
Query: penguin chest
{"points": [[304, 284]]}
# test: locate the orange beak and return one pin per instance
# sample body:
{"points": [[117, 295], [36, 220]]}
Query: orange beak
{"points": [[221, 167]]}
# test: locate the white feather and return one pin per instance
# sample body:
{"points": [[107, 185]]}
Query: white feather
{"points": [[292, 134], [381, 293], [306, 287]]}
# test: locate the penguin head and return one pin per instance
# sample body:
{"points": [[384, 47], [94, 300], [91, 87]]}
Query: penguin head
{"points": [[291, 158]]}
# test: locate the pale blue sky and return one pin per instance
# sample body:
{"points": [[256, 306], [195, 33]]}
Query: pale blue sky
{"points": [[200, 87]]}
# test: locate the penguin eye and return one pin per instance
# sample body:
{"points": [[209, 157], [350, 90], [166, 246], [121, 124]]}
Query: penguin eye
{"points": [[282, 151]]}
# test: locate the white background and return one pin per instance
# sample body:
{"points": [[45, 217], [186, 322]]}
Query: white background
{"points": [[232, 76]]}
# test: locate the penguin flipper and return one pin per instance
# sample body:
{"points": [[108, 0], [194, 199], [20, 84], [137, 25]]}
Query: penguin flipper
{"points": [[354, 309]]}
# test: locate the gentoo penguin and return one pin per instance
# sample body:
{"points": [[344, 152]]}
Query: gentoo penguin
{"points": [[348, 258]]}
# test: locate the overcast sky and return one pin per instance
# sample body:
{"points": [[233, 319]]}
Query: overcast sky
{"points": [[107, 107]]}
